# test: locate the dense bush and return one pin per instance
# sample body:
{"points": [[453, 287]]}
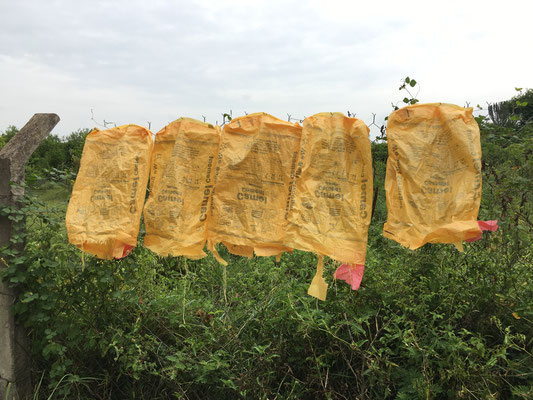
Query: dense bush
{"points": [[53, 153], [430, 324], [515, 112], [7, 135]]}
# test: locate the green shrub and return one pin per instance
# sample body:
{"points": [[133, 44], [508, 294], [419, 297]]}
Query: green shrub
{"points": [[430, 324]]}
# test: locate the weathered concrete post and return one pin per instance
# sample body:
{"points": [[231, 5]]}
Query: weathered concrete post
{"points": [[15, 373]]}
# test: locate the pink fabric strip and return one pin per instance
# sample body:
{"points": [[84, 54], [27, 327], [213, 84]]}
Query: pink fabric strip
{"points": [[485, 226], [352, 274], [127, 250]]}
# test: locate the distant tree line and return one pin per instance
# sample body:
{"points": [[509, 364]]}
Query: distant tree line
{"points": [[515, 112], [54, 151]]}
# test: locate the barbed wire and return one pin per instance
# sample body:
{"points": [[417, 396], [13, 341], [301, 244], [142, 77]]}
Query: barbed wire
{"points": [[104, 124], [228, 117]]}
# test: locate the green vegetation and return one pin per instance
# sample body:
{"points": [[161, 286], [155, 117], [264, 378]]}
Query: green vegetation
{"points": [[516, 112], [53, 156], [427, 324]]}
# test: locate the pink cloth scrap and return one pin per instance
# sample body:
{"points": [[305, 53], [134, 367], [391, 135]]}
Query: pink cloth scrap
{"points": [[127, 250], [352, 274], [485, 226]]}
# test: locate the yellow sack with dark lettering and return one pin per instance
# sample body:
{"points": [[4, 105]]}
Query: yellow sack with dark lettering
{"points": [[181, 183], [433, 181], [104, 210], [256, 154], [331, 203]]}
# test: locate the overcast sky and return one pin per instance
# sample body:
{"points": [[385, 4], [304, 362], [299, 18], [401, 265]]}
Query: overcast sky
{"points": [[155, 61]]}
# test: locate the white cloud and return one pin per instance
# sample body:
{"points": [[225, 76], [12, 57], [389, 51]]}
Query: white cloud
{"points": [[138, 61]]}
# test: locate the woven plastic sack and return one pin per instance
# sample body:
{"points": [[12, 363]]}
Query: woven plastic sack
{"points": [[104, 210], [331, 202], [181, 183], [256, 154], [433, 180]]}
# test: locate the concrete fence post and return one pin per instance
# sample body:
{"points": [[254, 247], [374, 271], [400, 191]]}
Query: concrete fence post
{"points": [[15, 371]]}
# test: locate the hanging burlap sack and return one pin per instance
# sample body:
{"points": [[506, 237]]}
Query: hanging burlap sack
{"points": [[104, 210], [181, 184], [433, 181], [331, 201], [256, 155]]}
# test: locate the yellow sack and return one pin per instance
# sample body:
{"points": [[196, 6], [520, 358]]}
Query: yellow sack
{"points": [[181, 183], [105, 207], [433, 180], [252, 185], [332, 200], [331, 203]]}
